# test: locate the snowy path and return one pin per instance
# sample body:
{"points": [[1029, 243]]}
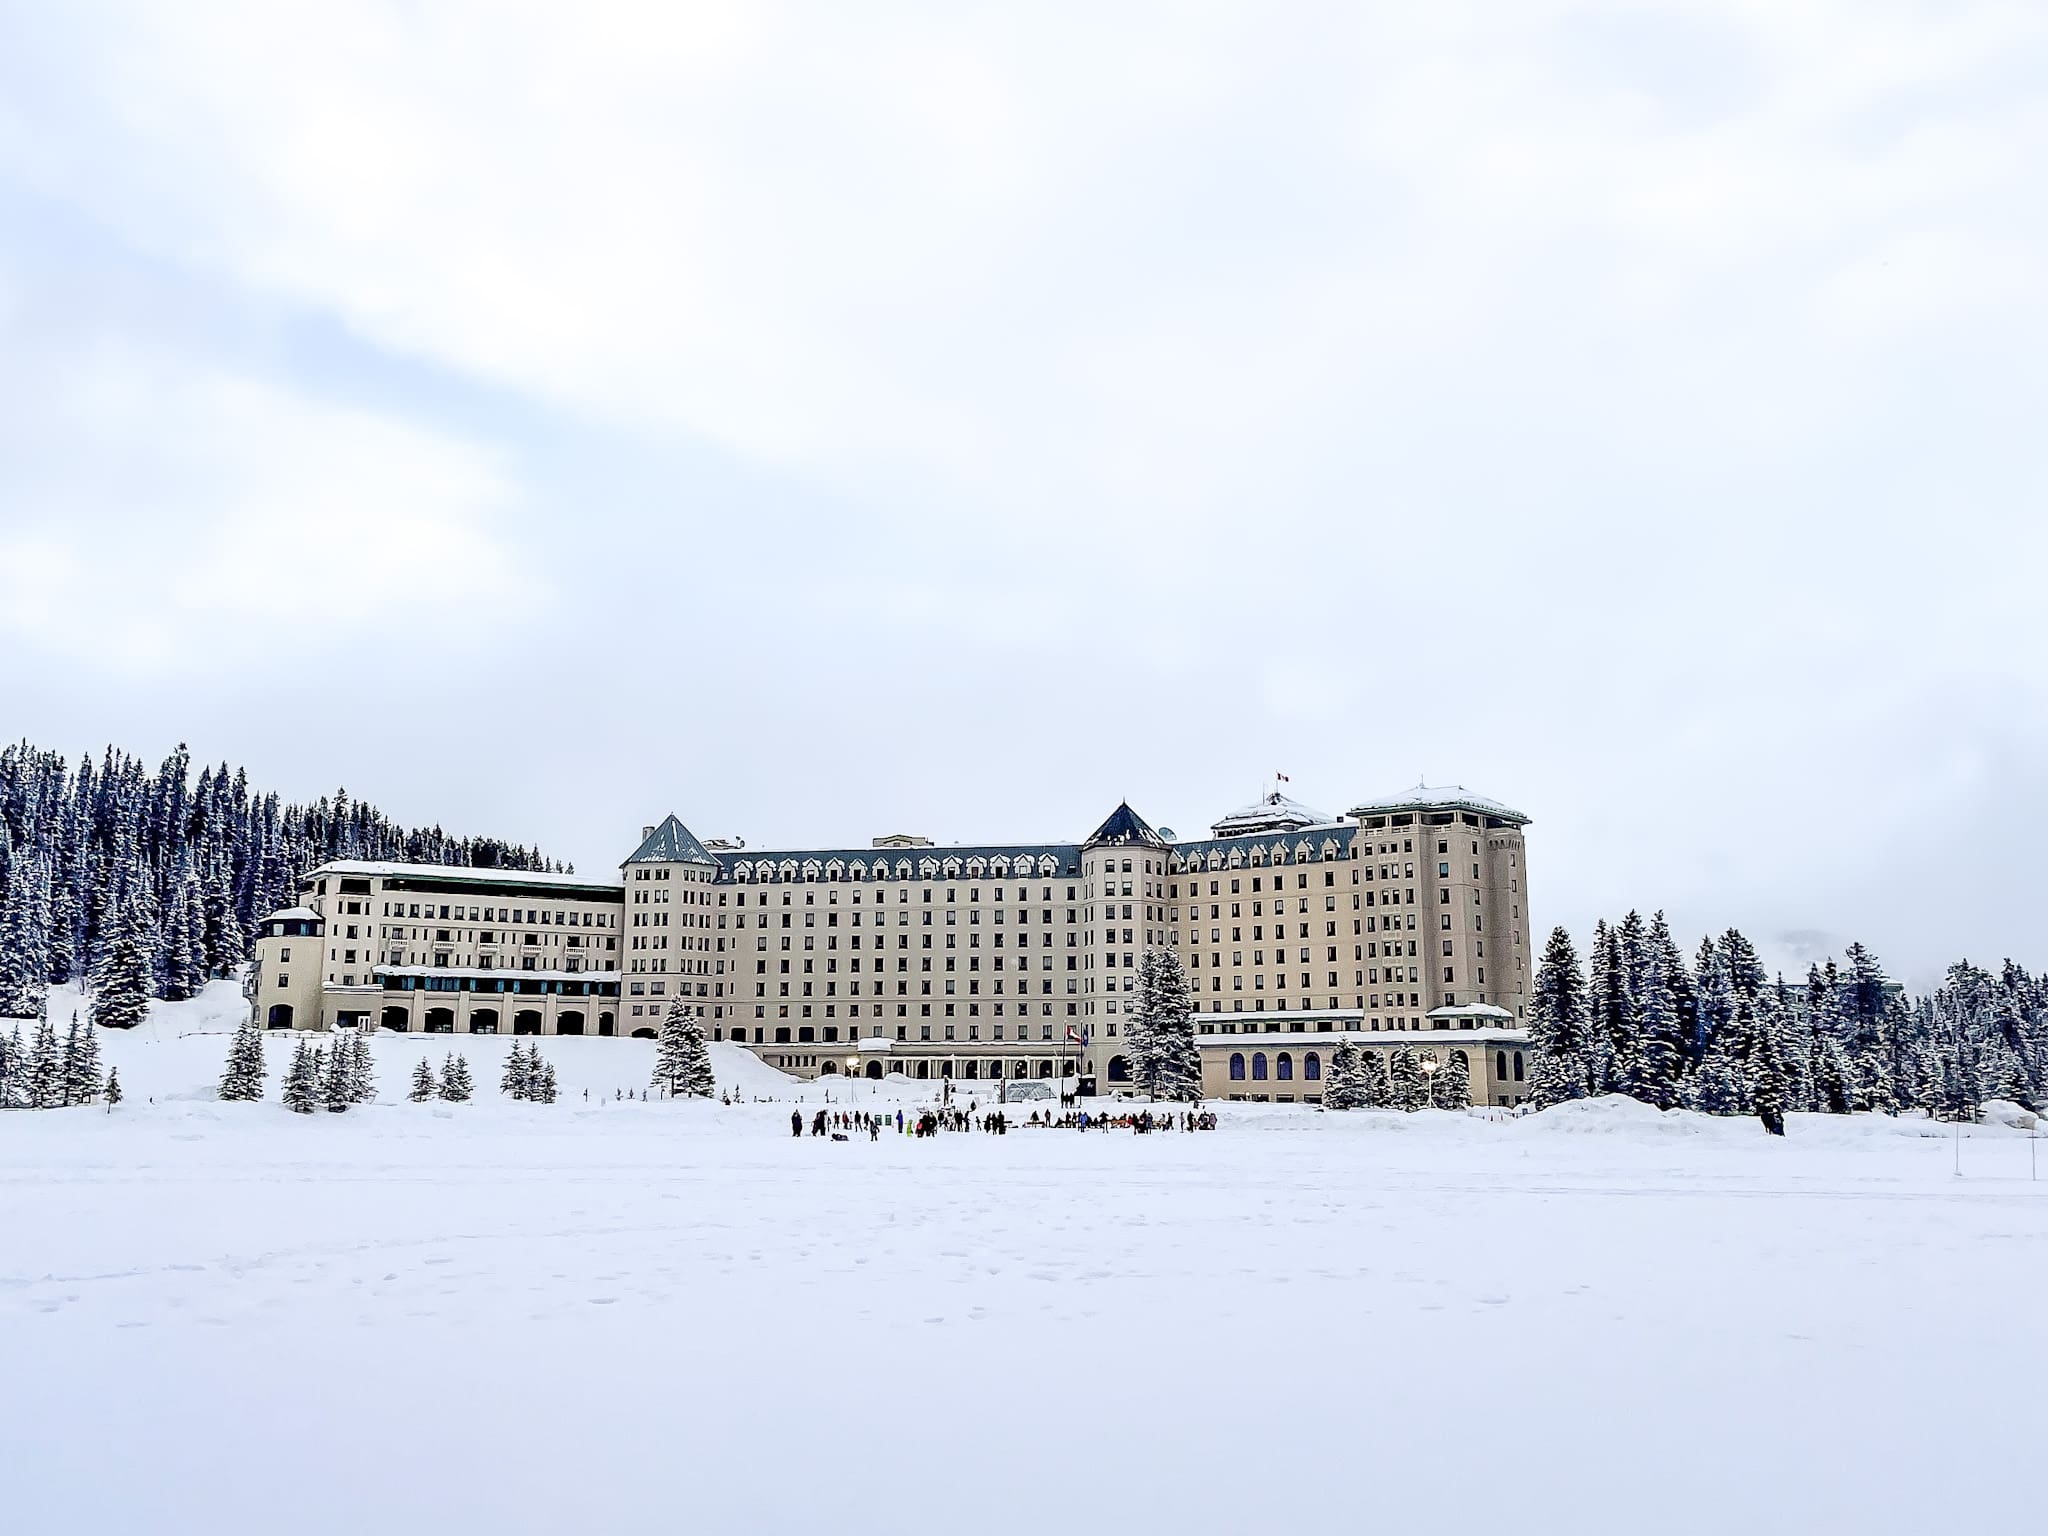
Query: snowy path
{"points": [[500, 1318]]}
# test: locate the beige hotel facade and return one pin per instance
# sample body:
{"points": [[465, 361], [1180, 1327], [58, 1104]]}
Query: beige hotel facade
{"points": [[1403, 923]]}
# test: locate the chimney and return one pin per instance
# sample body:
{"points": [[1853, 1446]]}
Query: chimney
{"points": [[646, 833]]}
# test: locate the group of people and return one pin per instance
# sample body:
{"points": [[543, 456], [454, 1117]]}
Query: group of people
{"points": [[844, 1124], [1138, 1122]]}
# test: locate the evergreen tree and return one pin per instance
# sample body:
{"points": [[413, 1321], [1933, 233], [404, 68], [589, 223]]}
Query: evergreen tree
{"points": [[1164, 1058], [242, 1080], [1608, 1012], [1406, 1083], [113, 1088], [1375, 1089], [24, 949], [456, 1085], [1714, 993], [362, 1067], [302, 1080], [423, 1085], [543, 1081], [81, 1062], [124, 980], [1344, 1088], [682, 1061], [1746, 974], [181, 977], [13, 1069], [1451, 1087], [337, 1079], [1714, 1089], [1565, 1059], [1658, 1052], [518, 1077], [44, 1079], [1684, 992], [1757, 1025], [1866, 1018]]}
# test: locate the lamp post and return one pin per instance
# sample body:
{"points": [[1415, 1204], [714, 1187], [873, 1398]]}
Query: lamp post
{"points": [[1430, 1067], [852, 1068]]}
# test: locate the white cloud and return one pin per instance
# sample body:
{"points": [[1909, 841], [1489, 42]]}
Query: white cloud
{"points": [[162, 514]]}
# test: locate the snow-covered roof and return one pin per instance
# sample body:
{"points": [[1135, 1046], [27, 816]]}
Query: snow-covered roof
{"points": [[1271, 813], [1124, 828], [1441, 797], [671, 843], [379, 869], [1470, 1011], [293, 915]]}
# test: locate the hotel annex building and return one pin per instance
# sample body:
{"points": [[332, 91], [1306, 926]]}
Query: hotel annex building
{"points": [[1402, 923]]}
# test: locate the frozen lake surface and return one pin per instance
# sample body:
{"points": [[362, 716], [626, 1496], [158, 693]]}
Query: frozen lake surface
{"points": [[499, 1317]]}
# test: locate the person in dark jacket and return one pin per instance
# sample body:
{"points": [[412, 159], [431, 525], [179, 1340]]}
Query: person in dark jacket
{"points": [[796, 1122]]}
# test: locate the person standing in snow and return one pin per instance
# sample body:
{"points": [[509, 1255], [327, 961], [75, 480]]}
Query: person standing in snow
{"points": [[796, 1122]]}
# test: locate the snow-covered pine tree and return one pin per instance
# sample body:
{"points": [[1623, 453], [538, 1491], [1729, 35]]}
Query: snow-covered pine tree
{"points": [[1375, 1089], [302, 1080], [1628, 1065], [682, 1061], [1564, 1064], [457, 1086], [1715, 998], [1714, 1088], [241, 1081], [81, 1062], [181, 977], [1832, 1079], [1168, 1063], [1746, 974], [123, 979], [1866, 1022], [361, 1067], [1344, 1088], [1451, 1087], [1406, 1083], [1758, 1023], [13, 1068], [423, 1085], [44, 1080], [337, 1085], [1684, 990], [543, 1081], [24, 947], [1138, 1046], [517, 1079], [1658, 1054], [113, 1088]]}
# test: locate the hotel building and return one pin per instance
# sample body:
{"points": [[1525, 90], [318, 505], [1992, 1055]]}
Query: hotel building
{"points": [[1403, 922]]}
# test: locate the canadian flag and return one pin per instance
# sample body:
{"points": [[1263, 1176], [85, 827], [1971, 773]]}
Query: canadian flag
{"points": [[1283, 778]]}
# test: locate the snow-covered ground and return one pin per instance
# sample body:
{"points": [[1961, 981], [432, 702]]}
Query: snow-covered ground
{"points": [[621, 1317]]}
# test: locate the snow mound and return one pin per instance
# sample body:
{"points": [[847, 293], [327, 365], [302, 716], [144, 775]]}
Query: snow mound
{"points": [[2003, 1112], [1616, 1114]]}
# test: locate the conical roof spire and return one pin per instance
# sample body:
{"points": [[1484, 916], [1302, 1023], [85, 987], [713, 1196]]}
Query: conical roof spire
{"points": [[1124, 828], [671, 843]]}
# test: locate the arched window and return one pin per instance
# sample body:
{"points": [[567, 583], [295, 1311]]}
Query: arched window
{"points": [[1286, 1068], [1237, 1066], [1258, 1066], [1518, 1066], [280, 1016], [1500, 1065], [1312, 1068]]}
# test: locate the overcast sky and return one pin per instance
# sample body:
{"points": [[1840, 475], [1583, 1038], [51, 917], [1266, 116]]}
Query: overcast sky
{"points": [[828, 421]]}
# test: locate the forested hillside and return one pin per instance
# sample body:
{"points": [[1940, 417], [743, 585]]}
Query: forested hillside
{"points": [[173, 869]]}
